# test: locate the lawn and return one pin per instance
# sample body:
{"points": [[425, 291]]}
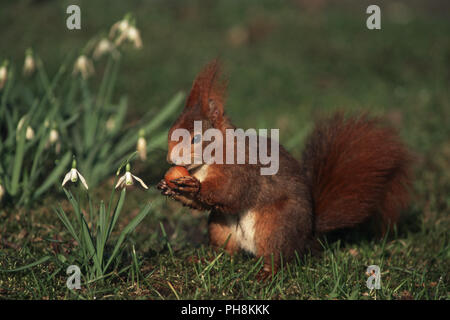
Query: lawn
{"points": [[288, 63]]}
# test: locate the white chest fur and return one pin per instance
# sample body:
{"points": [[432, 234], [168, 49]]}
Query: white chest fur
{"points": [[243, 228], [201, 173], [242, 225]]}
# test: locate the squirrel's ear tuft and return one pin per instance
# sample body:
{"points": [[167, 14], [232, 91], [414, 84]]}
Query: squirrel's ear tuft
{"points": [[208, 91]]}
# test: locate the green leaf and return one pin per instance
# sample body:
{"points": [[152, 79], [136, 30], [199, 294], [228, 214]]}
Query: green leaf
{"points": [[87, 237], [18, 159], [117, 211], [128, 229], [54, 175], [65, 220], [129, 140]]}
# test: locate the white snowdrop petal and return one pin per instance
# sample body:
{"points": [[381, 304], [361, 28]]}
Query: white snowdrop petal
{"points": [[82, 180], [29, 133], [120, 39], [140, 181], [113, 29], [120, 182], [142, 148], [54, 136], [20, 124], [67, 178]]}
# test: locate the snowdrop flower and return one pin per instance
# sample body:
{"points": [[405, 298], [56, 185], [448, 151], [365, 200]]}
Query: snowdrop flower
{"points": [[131, 34], [3, 74], [142, 145], [84, 66], [103, 47], [20, 124], [134, 36], [54, 136], [73, 175], [29, 65], [29, 134], [110, 124], [54, 139], [128, 179], [2, 192], [126, 30], [120, 26]]}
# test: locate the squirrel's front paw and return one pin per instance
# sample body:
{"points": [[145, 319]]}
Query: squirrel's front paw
{"points": [[165, 189], [187, 184]]}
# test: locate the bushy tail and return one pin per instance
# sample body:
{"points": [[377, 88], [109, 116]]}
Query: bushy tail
{"points": [[356, 168]]}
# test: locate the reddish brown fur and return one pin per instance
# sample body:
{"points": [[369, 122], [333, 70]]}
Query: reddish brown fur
{"points": [[270, 239], [356, 168], [220, 235], [208, 84], [351, 169], [205, 102]]}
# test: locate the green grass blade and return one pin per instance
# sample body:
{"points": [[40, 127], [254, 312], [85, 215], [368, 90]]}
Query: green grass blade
{"points": [[129, 140], [88, 241], [101, 235], [18, 159], [127, 230], [65, 220], [38, 262], [116, 213], [54, 175]]}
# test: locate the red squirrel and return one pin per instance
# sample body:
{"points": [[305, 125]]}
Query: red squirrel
{"points": [[352, 168]]}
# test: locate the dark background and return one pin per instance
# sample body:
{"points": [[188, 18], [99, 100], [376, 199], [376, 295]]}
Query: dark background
{"points": [[288, 62]]}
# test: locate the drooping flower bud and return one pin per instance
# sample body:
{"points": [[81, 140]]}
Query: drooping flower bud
{"points": [[84, 66], [142, 146], [103, 47], [29, 65], [2, 192], [29, 134], [3, 74]]}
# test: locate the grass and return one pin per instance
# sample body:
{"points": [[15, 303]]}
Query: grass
{"points": [[296, 62]]}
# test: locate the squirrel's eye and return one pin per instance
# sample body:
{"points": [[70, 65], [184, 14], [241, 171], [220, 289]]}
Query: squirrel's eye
{"points": [[196, 138]]}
